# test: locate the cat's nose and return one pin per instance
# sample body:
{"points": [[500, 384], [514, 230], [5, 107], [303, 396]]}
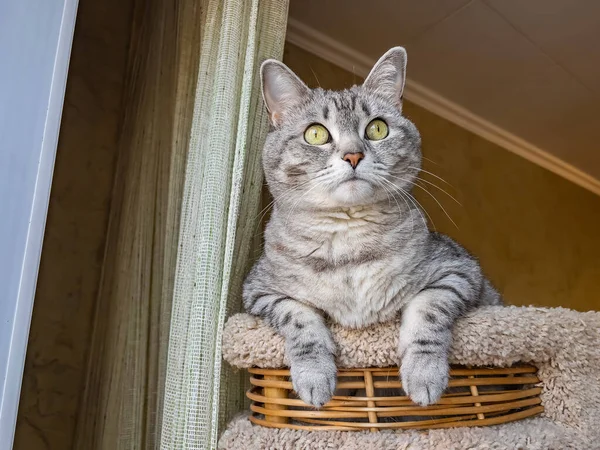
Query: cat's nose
{"points": [[353, 158]]}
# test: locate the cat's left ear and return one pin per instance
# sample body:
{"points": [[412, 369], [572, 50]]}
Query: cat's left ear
{"points": [[388, 76]]}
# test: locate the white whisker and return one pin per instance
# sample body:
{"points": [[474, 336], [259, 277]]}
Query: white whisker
{"points": [[413, 200], [432, 196], [431, 161], [436, 186], [287, 192], [440, 205], [428, 182], [412, 220], [432, 174], [318, 183]]}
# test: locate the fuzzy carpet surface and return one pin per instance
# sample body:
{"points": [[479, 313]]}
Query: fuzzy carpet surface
{"points": [[563, 344]]}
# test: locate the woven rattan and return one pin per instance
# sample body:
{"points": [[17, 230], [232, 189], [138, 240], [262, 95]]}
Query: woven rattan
{"points": [[372, 399]]}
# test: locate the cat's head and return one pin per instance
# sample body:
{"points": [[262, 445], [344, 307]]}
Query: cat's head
{"points": [[330, 149]]}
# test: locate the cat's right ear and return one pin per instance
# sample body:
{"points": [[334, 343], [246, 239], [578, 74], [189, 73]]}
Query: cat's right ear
{"points": [[281, 89]]}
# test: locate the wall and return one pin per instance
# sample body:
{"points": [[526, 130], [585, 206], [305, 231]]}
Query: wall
{"points": [[535, 233], [74, 240]]}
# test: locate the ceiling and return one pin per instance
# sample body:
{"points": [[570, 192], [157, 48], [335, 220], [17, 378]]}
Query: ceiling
{"points": [[529, 67]]}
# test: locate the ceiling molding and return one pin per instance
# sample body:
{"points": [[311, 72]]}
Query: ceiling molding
{"points": [[355, 62]]}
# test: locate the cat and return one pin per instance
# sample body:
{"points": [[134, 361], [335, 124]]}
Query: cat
{"points": [[345, 241]]}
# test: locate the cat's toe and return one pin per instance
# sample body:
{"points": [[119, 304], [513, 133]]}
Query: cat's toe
{"points": [[424, 377], [314, 385]]}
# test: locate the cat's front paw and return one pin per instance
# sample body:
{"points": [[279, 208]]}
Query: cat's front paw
{"points": [[314, 380], [424, 376]]}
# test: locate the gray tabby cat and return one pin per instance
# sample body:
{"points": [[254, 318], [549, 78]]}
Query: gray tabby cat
{"points": [[342, 244]]}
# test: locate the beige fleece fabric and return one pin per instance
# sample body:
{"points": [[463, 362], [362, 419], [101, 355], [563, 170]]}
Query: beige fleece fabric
{"points": [[563, 344]]}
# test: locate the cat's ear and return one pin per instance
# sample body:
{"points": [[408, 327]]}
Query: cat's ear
{"points": [[388, 75], [281, 89]]}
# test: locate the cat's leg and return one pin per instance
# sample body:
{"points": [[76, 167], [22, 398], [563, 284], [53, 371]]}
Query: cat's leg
{"points": [[425, 338], [308, 343]]}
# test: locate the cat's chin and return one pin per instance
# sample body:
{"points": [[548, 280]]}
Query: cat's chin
{"points": [[353, 192]]}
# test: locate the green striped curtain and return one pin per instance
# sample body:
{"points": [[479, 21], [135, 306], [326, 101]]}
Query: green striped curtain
{"points": [[221, 199]]}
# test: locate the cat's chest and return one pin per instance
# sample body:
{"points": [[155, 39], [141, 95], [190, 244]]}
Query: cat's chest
{"points": [[351, 269], [359, 295]]}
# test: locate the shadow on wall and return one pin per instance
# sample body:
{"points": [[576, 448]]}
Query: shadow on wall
{"points": [[534, 232]]}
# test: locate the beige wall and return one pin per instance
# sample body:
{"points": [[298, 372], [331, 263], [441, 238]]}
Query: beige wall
{"points": [[536, 234]]}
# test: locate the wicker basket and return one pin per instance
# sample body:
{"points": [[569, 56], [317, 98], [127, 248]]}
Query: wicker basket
{"points": [[475, 397]]}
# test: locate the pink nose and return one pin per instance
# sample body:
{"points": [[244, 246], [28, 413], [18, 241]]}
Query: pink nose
{"points": [[353, 158]]}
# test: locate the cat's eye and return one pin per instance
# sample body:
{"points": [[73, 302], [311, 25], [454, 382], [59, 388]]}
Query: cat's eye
{"points": [[316, 134], [376, 130]]}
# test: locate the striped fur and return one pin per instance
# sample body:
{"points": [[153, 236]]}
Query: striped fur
{"points": [[350, 244]]}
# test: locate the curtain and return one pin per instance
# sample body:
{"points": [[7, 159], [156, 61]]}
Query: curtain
{"points": [[219, 215], [121, 406], [183, 221]]}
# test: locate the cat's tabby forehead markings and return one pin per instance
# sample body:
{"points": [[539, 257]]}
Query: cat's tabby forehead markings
{"points": [[346, 238]]}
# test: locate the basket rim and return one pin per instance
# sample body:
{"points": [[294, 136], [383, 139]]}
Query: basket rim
{"points": [[455, 400], [456, 370], [506, 394]]}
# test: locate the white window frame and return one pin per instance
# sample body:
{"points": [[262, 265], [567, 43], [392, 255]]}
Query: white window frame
{"points": [[35, 47]]}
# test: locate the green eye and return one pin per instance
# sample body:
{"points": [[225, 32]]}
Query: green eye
{"points": [[376, 130], [316, 134]]}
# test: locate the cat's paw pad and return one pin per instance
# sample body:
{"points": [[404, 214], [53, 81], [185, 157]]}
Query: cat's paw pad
{"points": [[314, 382], [424, 377]]}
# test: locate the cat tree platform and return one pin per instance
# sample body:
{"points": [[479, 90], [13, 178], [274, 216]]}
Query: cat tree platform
{"points": [[558, 347]]}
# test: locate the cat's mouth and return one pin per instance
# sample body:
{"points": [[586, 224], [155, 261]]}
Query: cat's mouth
{"points": [[355, 184], [355, 178], [353, 189]]}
